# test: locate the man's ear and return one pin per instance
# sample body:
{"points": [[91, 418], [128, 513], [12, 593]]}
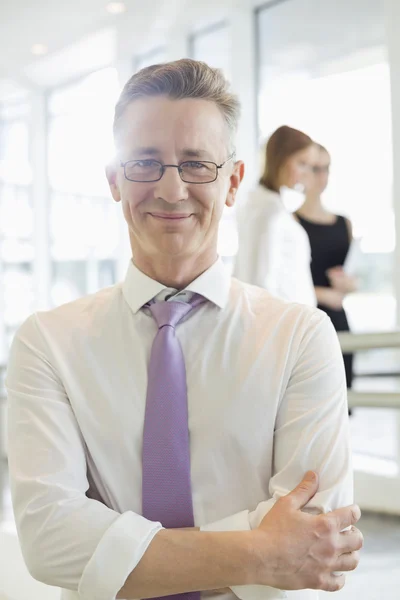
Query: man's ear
{"points": [[111, 174], [236, 178]]}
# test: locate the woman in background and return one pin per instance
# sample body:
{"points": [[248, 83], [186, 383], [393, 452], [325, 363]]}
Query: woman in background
{"points": [[330, 238], [274, 251]]}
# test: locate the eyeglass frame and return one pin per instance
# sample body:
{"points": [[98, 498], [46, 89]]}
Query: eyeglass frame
{"points": [[179, 167]]}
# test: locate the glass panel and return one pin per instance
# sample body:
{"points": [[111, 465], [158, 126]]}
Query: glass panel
{"points": [[84, 221], [80, 134], [153, 57], [16, 214], [16, 221], [18, 293], [330, 32], [68, 281], [93, 221], [15, 110], [327, 79], [107, 273], [17, 251], [83, 96], [14, 152], [213, 46]]}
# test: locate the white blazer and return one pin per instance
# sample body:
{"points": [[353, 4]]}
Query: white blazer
{"points": [[274, 250]]}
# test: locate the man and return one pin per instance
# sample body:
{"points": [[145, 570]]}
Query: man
{"points": [[180, 399]]}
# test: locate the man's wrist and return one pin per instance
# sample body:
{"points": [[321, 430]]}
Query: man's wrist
{"points": [[241, 553], [253, 565], [179, 561], [261, 559]]}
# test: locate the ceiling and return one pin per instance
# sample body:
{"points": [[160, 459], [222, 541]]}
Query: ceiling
{"points": [[80, 36], [307, 34]]}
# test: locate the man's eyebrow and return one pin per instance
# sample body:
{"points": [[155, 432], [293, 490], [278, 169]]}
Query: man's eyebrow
{"points": [[141, 151], [147, 150], [195, 153]]}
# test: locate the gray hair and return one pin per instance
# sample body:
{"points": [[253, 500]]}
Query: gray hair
{"points": [[185, 78]]}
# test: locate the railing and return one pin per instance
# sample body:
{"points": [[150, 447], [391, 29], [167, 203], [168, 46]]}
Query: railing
{"points": [[374, 399], [356, 342]]}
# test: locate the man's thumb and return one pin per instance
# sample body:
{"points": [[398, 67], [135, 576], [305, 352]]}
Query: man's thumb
{"points": [[306, 489]]}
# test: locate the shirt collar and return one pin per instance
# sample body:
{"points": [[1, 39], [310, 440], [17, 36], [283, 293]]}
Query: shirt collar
{"points": [[213, 284]]}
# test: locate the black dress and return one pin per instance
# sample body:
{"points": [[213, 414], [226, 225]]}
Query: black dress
{"points": [[329, 247]]}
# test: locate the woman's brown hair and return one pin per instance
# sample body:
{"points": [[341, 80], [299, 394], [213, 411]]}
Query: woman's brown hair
{"points": [[282, 144]]}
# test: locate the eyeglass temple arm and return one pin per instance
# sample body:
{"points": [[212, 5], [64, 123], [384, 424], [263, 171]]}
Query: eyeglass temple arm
{"points": [[227, 160]]}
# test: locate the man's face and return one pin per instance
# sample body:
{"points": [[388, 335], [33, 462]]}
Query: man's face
{"points": [[170, 217]]}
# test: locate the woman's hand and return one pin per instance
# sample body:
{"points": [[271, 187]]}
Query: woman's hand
{"points": [[341, 281], [329, 297]]}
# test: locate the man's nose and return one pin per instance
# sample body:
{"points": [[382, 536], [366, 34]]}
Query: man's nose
{"points": [[170, 187]]}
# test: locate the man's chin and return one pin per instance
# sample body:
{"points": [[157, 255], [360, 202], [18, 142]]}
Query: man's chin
{"points": [[173, 248], [175, 244]]}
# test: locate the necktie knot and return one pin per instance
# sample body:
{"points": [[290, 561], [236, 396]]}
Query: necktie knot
{"points": [[169, 313]]}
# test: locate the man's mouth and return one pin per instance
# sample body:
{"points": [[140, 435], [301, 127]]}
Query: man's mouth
{"points": [[171, 216]]}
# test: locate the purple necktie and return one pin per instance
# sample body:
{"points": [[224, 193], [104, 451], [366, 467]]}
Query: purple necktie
{"points": [[166, 488]]}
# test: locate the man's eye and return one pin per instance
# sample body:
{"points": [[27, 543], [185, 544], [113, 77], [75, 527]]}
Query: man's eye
{"points": [[194, 165], [146, 163]]}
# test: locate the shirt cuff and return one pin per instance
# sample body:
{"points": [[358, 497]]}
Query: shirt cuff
{"points": [[117, 554], [240, 522], [258, 592]]}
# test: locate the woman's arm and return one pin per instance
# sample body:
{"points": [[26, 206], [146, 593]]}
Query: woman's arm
{"points": [[329, 297]]}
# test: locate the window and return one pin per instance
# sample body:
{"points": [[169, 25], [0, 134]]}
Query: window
{"points": [[84, 221], [16, 221], [330, 79], [153, 57], [213, 46]]}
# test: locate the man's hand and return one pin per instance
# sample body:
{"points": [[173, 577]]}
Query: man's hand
{"points": [[297, 550]]}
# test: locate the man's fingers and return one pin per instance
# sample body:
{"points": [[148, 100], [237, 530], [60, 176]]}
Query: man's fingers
{"points": [[303, 493], [351, 540], [347, 516], [332, 583], [348, 562]]}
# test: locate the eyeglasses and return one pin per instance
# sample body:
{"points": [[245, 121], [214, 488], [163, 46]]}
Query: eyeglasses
{"points": [[317, 170], [190, 171]]}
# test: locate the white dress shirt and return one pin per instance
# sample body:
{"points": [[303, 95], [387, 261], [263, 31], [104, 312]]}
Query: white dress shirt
{"points": [[274, 250], [267, 402]]}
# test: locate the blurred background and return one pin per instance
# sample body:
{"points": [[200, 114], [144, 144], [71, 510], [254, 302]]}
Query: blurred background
{"points": [[328, 67]]}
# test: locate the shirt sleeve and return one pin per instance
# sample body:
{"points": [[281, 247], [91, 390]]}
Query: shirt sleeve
{"points": [[282, 257], [306, 293], [268, 254], [311, 433], [67, 539]]}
